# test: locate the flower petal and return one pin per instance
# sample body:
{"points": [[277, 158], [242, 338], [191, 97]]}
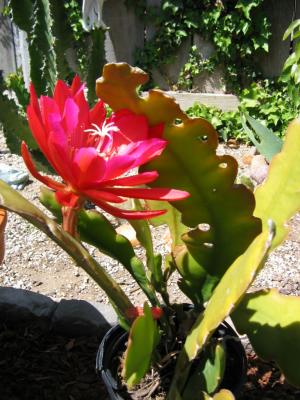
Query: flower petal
{"points": [[58, 148], [151, 193], [101, 195], [61, 94], [70, 122], [77, 85], [48, 109], [145, 150], [156, 131], [89, 168], [128, 214], [67, 198], [31, 167], [118, 165], [98, 113], [135, 180], [34, 102], [132, 127], [38, 131]]}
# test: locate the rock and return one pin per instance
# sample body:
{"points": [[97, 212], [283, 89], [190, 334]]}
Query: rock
{"points": [[22, 305], [167, 239], [232, 144], [247, 159], [78, 317], [259, 169], [15, 178], [128, 231]]}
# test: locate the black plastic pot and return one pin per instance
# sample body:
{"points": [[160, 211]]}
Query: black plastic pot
{"points": [[114, 343]]}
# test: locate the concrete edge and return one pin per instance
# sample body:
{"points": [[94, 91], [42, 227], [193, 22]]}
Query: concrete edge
{"points": [[70, 318], [65, 317], [225, 102]]}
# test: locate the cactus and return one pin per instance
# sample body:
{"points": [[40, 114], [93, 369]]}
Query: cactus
{"points": [[143, 338], [96, 61], [190, 163], [267, 313], [278, 198], [225, 297], [50, 38], [90, 223], [15, 126], [220, 242], [34, 17], [63, 38]]}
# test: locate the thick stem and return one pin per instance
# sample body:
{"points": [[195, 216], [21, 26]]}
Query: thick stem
{"points": [[11, 200], [70, 220], [3, 220], [82, 257]]}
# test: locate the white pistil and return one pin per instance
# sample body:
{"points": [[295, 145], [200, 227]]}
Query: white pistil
{"points": [[102, 133]]}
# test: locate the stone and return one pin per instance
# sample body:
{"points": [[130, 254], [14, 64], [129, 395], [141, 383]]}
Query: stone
{"points": [[259, 169], [128, 231], [79, 317], [15, 178], [7, 45], [247, 159], [23, 305]]}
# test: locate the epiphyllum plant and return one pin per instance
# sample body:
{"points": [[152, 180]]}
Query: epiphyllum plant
{"points": [[221, 234], [92, 153]]}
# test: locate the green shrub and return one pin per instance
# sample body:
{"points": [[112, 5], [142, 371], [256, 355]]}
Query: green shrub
{"points": [[266, 101]]}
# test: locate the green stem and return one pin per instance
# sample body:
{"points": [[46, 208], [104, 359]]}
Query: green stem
{"points": [[11, 200], [143, 232], [183, 364], [69, 224], [82, 257]]}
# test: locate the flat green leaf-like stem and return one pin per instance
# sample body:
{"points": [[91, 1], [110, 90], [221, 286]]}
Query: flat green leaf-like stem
{"points": [[143, 337], [272, 322], [226, 296], [278, 198], [208, 373], [190, 163], [96, 230]]}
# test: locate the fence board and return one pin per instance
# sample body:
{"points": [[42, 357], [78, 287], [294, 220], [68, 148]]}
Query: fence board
{"points": [[7, 51], [280, 13], [125, 34]]}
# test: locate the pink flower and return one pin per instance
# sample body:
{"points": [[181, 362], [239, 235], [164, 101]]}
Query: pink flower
{"points": [[92, 153]]}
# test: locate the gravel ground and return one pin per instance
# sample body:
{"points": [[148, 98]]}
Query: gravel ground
{"points": [[35, 263]]}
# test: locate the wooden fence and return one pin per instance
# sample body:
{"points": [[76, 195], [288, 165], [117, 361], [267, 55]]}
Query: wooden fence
{"points": [[127, 32]]}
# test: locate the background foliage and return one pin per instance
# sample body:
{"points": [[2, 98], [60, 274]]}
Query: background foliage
{"points": [[267, 101], [238, 29], [58, 48]]}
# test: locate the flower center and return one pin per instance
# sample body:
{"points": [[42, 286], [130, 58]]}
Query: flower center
{"points": [[98, 134]]}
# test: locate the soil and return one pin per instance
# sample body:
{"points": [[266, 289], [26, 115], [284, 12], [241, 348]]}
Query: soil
{"points": [[36, 365], [265, 382]]}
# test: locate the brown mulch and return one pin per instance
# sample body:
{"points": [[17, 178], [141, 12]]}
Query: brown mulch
{"points": [[265, 382], [36, 364]]}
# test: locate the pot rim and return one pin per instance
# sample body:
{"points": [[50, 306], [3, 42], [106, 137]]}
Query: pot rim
{"points": [[117, 336]]}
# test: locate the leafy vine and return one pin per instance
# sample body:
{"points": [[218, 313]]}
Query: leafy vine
{"points": [[230, 25]]}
